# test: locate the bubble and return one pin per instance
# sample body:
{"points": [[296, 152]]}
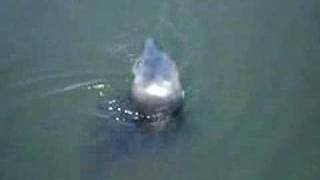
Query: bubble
{"points": [[101, 93], [112, 101], [98, 86]]}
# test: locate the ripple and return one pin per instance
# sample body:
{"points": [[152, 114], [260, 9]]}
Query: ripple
{"points": [[50, 76], [70, 87]]}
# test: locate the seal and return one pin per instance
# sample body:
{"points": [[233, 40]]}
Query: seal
{"points": [[156, 87]]}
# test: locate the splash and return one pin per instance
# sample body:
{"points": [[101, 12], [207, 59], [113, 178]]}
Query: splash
{"points": [[122, 110]]}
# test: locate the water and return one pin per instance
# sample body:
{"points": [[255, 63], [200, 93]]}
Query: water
{"points": [[250, 70]]}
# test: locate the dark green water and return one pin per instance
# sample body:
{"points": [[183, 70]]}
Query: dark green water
{"points": [[250, 69]]}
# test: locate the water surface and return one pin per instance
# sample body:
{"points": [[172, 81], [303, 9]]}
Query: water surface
{"points": [[250, 70]]}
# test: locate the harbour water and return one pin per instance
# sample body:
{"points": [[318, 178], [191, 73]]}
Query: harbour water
{"points": [[250, 70]]}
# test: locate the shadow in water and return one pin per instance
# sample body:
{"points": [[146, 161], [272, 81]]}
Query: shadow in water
{"points": [[120, 136]]}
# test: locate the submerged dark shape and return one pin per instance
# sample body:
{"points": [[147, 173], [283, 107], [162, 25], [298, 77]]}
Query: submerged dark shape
{"points": [[156, 88]]}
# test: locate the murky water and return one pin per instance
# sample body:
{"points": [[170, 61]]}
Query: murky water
{"points": [[250, 71]]}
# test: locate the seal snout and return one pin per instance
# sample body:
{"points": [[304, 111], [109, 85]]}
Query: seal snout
{"points": [[156, 87], [150, 49]]}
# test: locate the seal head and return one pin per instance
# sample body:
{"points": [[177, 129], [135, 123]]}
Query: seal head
{"points": [[156, 87]]}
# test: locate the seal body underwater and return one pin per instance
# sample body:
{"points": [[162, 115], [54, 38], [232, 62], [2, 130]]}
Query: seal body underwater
{"points": [[124, 129], [156, 87]]}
